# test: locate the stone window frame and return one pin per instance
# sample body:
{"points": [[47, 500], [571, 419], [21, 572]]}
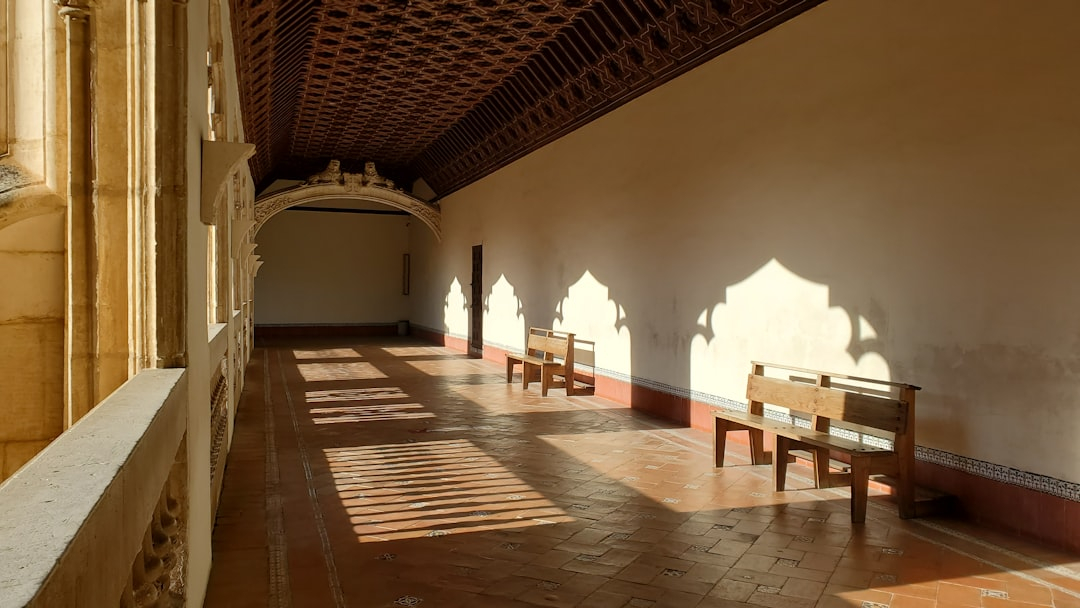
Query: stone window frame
{"points": [[5, 85]]}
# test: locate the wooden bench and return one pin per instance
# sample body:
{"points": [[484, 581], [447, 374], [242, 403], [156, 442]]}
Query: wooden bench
{"points": [[873, 409], [548, 352]]}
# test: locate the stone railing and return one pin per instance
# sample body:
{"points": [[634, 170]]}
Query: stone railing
{"points": [[219, 408], [98, 517]]}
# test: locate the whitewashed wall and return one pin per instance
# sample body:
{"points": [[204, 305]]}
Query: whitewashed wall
{"points": [[331, 268], [881, 188]]}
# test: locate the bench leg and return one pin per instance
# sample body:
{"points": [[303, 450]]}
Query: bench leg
{"points": [[860, 485], [757, 446], [720, 429], [905, 491], [526, 371], [509, 371], [545, 381], [779, 462], [821, 469]]}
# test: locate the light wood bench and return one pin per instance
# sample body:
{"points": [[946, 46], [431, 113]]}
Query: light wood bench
{"points": [[548, 352], [874, 409]]}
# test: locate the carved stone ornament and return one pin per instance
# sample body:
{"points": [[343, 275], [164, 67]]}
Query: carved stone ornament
{"points": [[330, 175], [73, 9], [333, 175], [371, 177], [352, 187]]}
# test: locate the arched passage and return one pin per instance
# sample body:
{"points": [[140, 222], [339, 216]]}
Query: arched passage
{"points": [[343, 272], [273, 204]]}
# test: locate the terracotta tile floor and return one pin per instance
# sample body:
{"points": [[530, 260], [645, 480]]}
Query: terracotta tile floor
{"points": [[394, 473]]}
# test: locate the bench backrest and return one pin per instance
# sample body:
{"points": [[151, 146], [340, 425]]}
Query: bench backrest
{"points": [[544, 343], [867, 410], [824, 403]]}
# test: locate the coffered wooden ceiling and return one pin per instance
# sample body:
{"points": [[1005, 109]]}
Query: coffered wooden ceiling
{"points": [[451, 90]]}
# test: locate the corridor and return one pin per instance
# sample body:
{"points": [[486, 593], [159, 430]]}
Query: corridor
{"points": [[389, 472]]}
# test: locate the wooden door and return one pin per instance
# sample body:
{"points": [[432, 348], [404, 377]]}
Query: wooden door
{"points": [[476, 304]]}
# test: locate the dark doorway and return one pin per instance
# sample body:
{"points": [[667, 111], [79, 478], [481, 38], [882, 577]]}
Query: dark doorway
{"points": [[476, 306]]}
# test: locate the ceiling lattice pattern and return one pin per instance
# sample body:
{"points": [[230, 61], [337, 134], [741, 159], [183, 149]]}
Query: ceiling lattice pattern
{"points": [[450, 90]]}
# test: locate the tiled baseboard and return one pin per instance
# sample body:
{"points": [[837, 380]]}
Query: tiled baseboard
{"points": [[1027, 504]]}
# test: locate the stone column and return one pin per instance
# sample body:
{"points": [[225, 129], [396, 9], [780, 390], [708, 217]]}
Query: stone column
{"points": [[114, 163], [79, 327], [144, 313], [170, 206], [55, 106]]}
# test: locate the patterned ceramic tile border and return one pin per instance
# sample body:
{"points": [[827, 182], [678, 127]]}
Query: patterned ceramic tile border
{"points": [[996, 472]]}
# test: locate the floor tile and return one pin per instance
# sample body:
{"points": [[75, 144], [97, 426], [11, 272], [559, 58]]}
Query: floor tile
{"points": [[390, 472]]}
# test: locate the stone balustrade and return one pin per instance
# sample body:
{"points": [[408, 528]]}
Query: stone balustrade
{"points": [[98, 517]]}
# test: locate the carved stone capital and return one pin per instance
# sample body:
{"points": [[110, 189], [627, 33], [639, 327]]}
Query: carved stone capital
{"points": [[73, 9]]}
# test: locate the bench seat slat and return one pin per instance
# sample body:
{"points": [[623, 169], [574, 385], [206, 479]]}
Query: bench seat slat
{"points": [[534, 360], [809, 436], [877, 412]]}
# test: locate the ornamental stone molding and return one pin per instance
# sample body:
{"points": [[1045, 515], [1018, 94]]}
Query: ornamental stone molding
{"points": [[350, 187], [220, 161]]}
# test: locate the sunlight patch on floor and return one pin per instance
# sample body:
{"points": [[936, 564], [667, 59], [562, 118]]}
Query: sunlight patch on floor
{"points": [[325, 353], [368, 413], [451, 367], [415, 351], [355, 394], [322, 371], [433, 488]]}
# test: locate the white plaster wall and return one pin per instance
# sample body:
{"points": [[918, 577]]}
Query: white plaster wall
{"points": [[331, 268], [881, 188]]}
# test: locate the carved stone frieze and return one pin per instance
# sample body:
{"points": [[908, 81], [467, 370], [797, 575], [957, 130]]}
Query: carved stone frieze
{"points": [[352, 187]]}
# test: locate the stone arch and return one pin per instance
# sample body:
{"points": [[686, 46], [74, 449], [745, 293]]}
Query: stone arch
{"points": [[272, 204], [28, 202]]}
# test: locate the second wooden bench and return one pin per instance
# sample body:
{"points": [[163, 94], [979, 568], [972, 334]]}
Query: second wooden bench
{"points": [[551, 354]]}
